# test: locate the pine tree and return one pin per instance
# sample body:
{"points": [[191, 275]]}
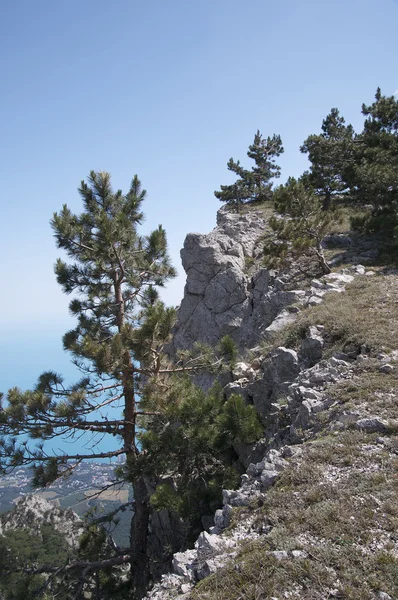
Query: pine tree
{"points": [[376, 173], [117, 344], [192, 440], [300, 227], [122, 328], [332, 159], [255, 184]]}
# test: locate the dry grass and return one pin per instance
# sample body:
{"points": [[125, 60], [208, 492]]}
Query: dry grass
{"points": [[345, 526], [366, 314], [337, 501]]}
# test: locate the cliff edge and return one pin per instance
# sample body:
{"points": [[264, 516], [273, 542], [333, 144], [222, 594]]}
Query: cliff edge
{"points": [[316, 514]]}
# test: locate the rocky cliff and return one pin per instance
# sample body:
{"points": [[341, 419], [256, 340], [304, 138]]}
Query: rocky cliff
{"points": [[223, 295], [316, 511]]}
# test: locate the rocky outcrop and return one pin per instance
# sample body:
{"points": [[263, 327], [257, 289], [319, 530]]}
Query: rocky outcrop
{"points": [[32, 511], [221, 296], [229, 292]]}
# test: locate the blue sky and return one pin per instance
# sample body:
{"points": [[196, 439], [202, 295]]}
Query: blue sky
{"points": [[168, 90]]}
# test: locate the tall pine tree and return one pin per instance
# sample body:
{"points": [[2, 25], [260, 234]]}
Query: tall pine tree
{"points": [[122, 328], [113, 275], [332, 159], [376, 173]]}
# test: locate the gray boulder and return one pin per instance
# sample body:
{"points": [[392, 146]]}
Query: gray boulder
{"points": [[312, 346], [372, 424]]}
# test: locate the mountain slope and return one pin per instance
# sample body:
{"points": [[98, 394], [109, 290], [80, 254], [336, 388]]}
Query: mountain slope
{"points": [[317, 512]]}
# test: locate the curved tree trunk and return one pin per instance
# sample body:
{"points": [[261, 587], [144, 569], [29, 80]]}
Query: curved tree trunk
{"points": [[322, 260]]}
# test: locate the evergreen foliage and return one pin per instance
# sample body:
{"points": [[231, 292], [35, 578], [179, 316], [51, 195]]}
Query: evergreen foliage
{"points": [[300, 226], [375, 179], [331, 155], [192, 441], [20, 550], [255, 184]]}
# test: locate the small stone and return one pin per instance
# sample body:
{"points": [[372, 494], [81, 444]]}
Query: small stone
{"points": [[280, 554], [384, 596], [387, 368], [361, 359], [268, 478], [359, 269], [308, 393], [185, 588], [287, 452], [243, 371], [182, 563], [372, 425], [341, 356], [215, 530], [209, 566], [256, 363], [347, 418], [319, 377], [315, 283], [219, 518], [235, 498], [312, 346], [340, 278], [279, 284], [227, 513], [299, 554], [314, 300], [255, 469], [351, 349], [337, 362], [207, 542], [294, 309]]}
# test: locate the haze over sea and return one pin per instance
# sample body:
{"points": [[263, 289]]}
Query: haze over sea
{"points": [[170, 91]]}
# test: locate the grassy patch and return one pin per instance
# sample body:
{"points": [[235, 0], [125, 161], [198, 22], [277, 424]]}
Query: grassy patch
{"points": [[346, 526], [366, 314], [370, 390]]}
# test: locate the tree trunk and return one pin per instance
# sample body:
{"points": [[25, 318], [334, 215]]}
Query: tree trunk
{"points": [[140, 521], [327, 201], [139, 538], [322, 261]]}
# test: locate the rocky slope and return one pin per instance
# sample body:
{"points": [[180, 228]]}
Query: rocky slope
{"points": [[33, 511], [316, 514]]}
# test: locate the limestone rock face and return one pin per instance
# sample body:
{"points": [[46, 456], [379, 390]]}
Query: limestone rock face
{"points": [[33, 511], [221, 297]]}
